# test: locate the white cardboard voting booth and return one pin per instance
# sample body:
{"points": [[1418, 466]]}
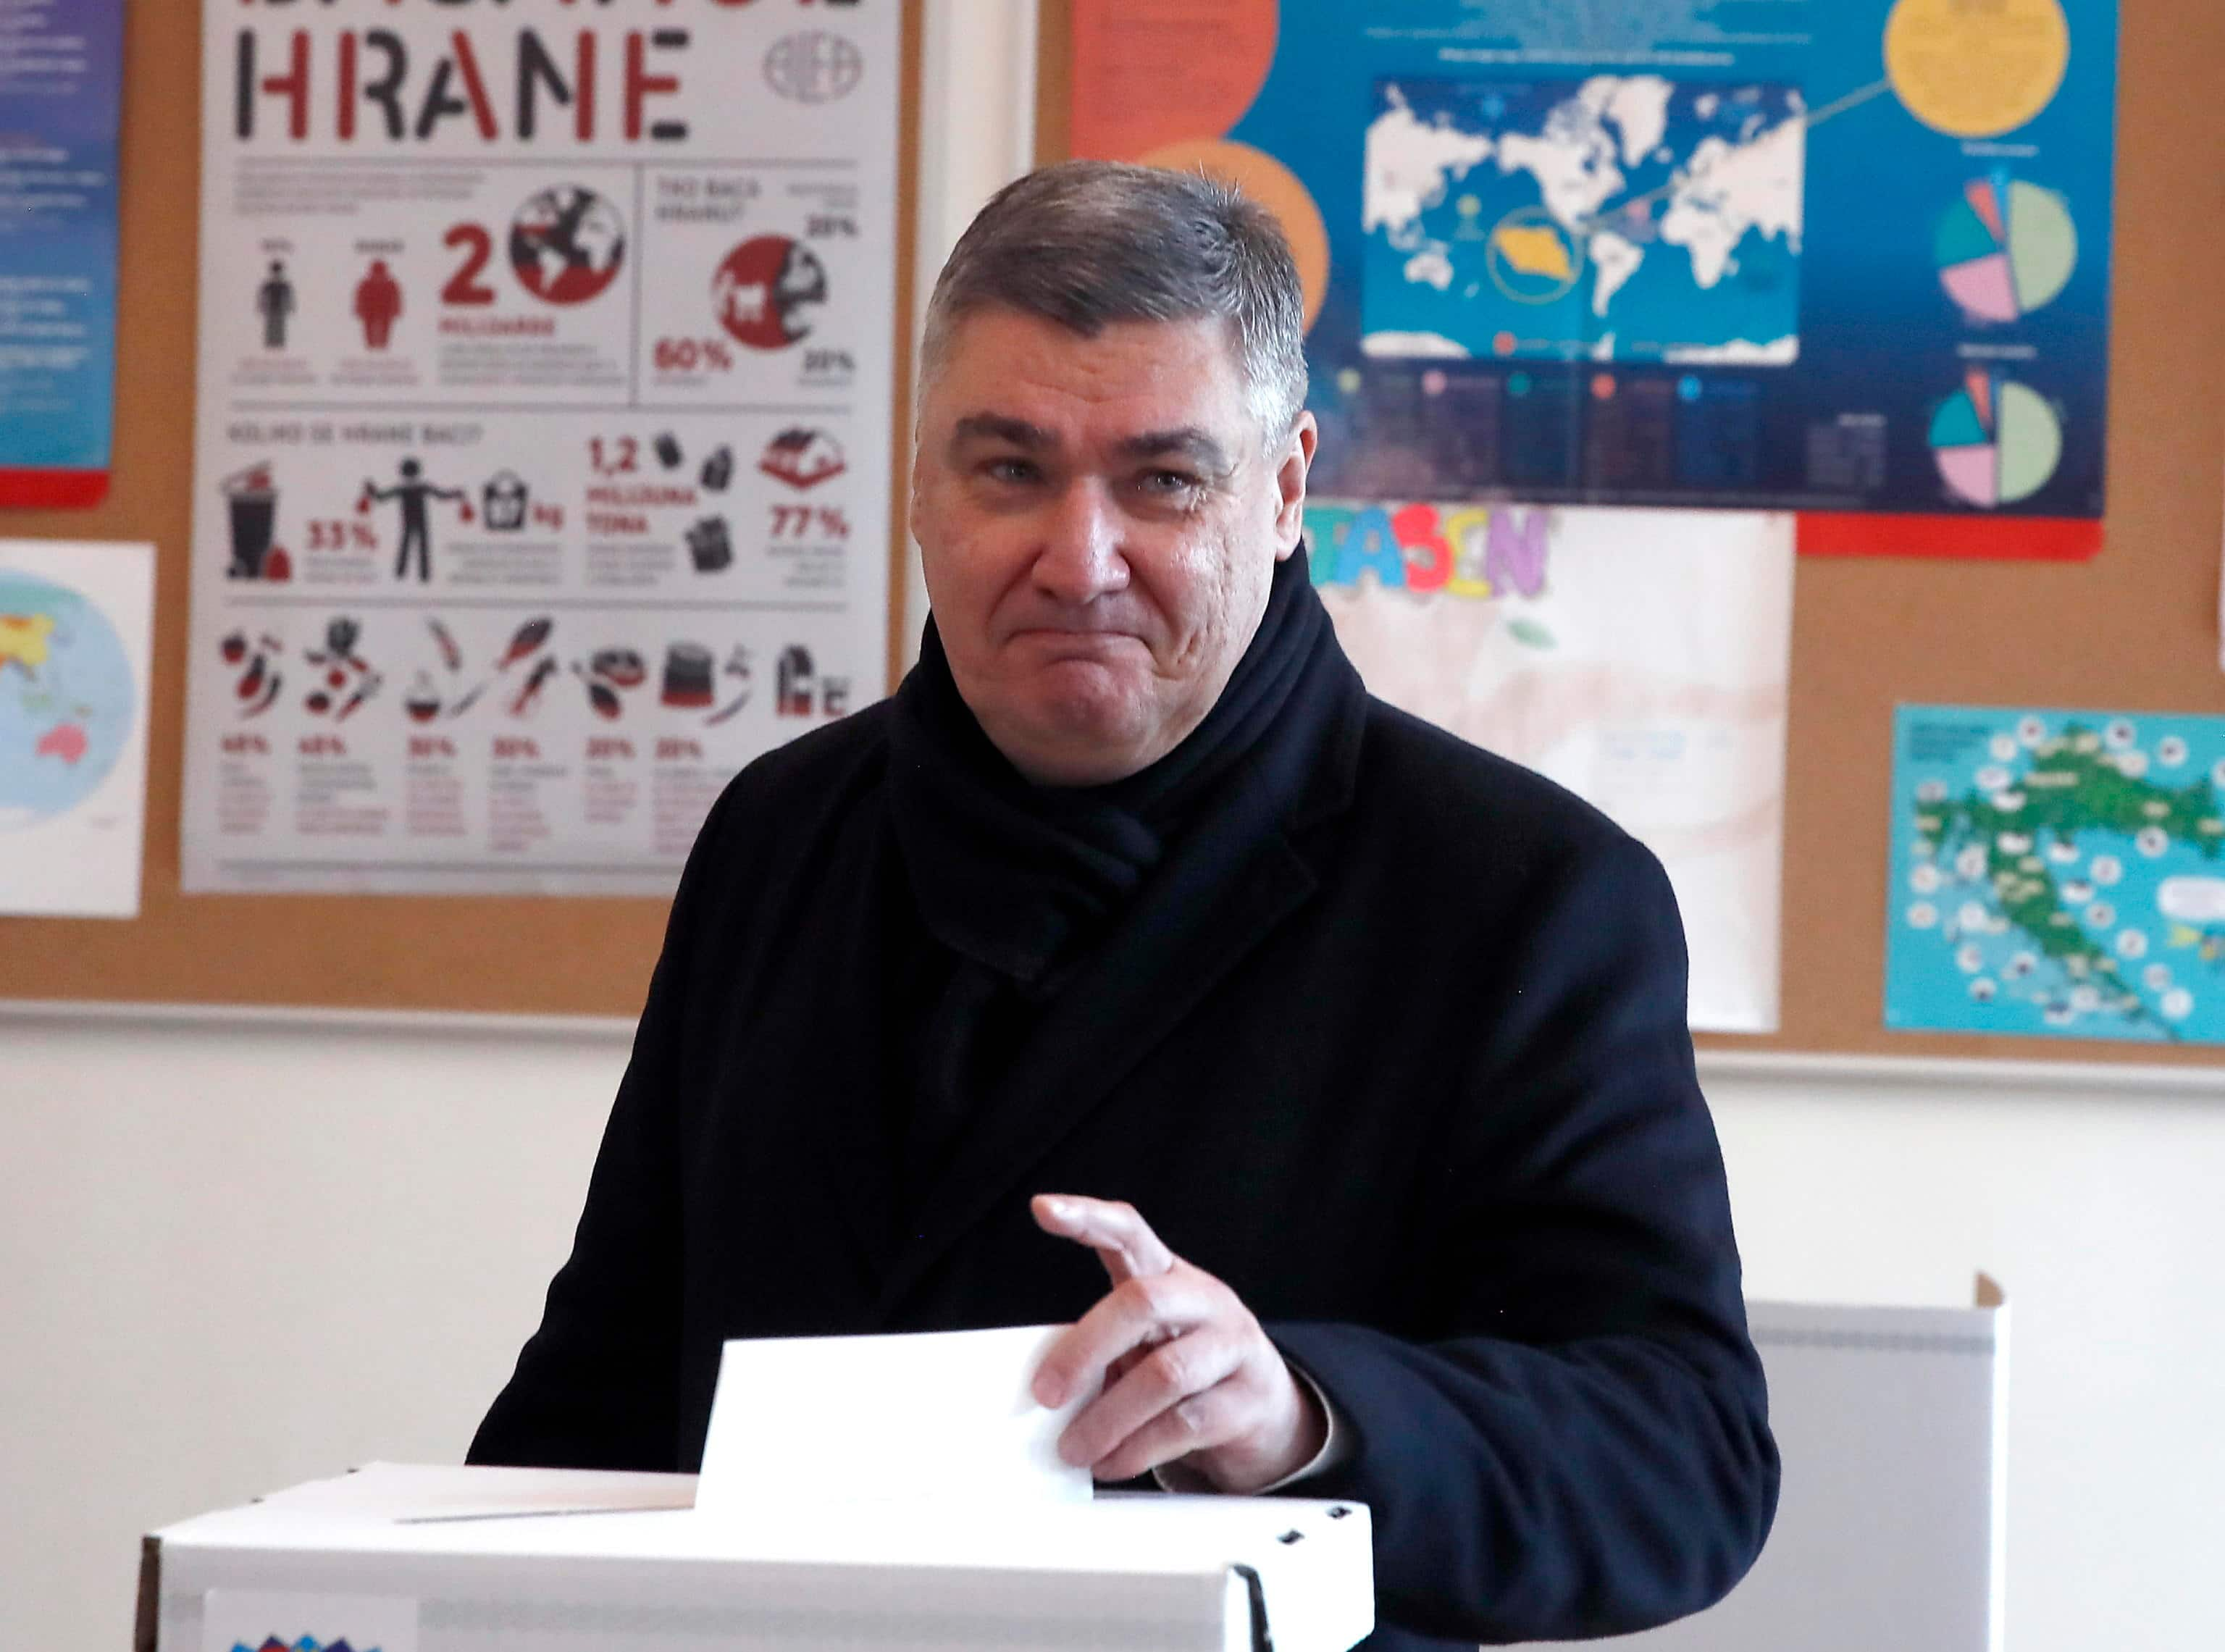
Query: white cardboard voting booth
{"points": [[1890, 1529]]}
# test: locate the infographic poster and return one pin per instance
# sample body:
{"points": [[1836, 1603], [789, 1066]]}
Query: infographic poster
{"points": [[76, 634], [61, 87], [2057, 873], [1640, 659], [546, 361], [1848, 259]]}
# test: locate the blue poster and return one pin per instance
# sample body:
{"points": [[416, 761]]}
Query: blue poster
{"points": [[1830, 256], [2057, 873], [61, 81]]}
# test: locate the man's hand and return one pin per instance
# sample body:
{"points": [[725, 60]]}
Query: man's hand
{"points": [[1189, 1377]]}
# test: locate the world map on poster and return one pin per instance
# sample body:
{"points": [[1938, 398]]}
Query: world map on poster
{"points": [[2058, 873], [1619, 218], [66, 699]]}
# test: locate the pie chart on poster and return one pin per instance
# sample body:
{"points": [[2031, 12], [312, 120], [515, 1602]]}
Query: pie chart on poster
{"points": [[1996, 441], [2006, 249]]}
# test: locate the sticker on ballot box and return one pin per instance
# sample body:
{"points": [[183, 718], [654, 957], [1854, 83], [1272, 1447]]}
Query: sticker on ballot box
{"points": [[254, 1620]]}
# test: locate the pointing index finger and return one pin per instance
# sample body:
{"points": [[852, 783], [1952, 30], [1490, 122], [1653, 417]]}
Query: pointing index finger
{"points": [[1123, 1240]]}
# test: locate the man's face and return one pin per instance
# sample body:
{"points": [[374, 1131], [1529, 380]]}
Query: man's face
{"points": [[1099, 521]]}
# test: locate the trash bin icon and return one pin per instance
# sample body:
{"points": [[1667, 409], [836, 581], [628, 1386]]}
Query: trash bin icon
{"points": [[687, 676], [253, 506]]}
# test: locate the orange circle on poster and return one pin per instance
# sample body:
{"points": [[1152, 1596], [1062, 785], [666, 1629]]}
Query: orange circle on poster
{"points": [[1275, 187], [1145, 76]]}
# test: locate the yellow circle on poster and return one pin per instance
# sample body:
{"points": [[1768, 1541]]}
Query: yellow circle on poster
{"points": [[1976, 69], [1275, 187]]}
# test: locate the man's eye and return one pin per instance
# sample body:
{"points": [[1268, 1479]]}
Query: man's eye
{"points": [[1009, 470], [1168, 482]]}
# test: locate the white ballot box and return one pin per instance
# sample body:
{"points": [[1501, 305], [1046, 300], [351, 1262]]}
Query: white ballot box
{"points": [[401, 1559], [858, 1494]]}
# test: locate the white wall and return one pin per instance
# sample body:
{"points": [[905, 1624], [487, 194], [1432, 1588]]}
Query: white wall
{"points": [[234, 1257]]}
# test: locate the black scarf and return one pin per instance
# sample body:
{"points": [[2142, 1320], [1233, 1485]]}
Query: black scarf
{"points": [[1015, 882]]}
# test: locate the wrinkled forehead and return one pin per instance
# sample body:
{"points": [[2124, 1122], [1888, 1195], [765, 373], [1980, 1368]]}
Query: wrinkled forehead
{"points": [[1127, 378]]}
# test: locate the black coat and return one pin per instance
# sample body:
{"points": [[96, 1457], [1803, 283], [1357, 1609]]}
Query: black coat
{"points": [[1414, 1080]]}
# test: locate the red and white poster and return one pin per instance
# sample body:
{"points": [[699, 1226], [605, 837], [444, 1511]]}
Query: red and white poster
{"points": [[547, 370]]}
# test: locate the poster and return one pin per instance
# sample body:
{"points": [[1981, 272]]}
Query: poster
{"points": [[1639, 658], [76, 635], [1848, 259], [2057, 873], [546, 361], [61, 86]]}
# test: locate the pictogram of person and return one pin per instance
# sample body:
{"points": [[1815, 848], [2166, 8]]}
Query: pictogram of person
{"points": [[414, 493], [275, 301], [377, 305]]}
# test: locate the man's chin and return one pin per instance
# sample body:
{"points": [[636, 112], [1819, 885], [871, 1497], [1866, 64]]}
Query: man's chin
{"points": [[1082, 739]]}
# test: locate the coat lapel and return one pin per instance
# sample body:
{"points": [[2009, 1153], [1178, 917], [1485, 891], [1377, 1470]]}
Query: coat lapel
{"points": [[822, 1046], [1194, 925]]}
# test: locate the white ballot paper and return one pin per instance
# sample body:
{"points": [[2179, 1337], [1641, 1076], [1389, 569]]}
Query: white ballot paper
{"points": [[799, 1423]]}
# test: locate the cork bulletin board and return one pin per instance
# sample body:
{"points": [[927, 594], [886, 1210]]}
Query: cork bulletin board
{"points": [[537, 955], [2134, 630]]}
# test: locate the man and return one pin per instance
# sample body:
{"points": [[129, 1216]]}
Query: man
{"points": [[274, 302], [415, 495], [1356, 1057]]}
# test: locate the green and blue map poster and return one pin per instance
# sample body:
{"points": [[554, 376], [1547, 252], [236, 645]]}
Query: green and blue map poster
{"points": [[61, 87], [2057, 873], [1848, 257]]}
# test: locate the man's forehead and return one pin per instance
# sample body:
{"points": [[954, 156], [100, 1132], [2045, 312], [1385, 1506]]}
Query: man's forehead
{"points": [[1151, 385]]}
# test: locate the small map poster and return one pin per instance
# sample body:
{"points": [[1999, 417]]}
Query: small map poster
{"points": [[1639, 658], [1849, 259], [75, 637], [2057, 873]]}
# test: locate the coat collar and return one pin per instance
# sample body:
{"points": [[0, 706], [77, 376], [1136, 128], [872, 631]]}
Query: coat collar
{"points": [[1190, 928]]}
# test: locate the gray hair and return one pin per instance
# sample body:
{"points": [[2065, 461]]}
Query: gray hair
{"points": [[1085, 243]]}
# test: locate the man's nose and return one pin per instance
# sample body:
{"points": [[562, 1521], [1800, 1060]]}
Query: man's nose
{"points": [[1081, 557]]}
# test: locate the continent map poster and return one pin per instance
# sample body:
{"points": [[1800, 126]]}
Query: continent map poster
{"points": [[76, 638], [542, 464], [61, 89], [2057, 873], [1849, 259]]}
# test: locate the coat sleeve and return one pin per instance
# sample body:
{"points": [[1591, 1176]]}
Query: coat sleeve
{"points": [[1579, 1444], [597, 1386]]}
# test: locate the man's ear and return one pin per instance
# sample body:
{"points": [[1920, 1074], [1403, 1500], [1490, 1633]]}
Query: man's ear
{"points": [[912, 492], [1290, 484]]}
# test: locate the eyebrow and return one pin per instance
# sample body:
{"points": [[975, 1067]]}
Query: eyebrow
{"points": [[995, 427], [1187, 441]]}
